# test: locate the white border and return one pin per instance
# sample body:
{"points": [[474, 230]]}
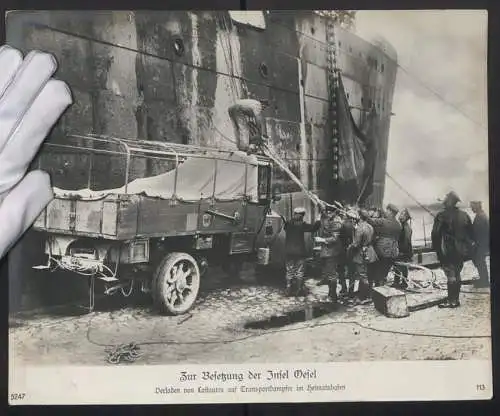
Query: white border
{"points": [[360, 381]]}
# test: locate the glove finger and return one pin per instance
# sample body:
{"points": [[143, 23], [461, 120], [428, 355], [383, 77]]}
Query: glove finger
{"points": [[32, 130], [35, 71], [22, 206], [10, 61]]}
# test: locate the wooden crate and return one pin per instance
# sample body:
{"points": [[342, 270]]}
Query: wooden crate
{"points": [[391, 302]]}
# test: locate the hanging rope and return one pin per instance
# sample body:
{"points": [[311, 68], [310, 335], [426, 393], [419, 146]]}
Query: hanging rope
{"points": [[410, 195], [266, 148], [362, 190]]}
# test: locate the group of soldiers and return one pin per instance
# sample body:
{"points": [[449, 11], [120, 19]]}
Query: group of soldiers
{"points": [[363, 245]]}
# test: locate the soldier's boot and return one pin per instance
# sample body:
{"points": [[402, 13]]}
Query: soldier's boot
{"points": [[332, 291], [289, 287], [293, 287], [343, 288], [364, 289], [447, 303], [299, 288], [455, 302], [350, 290], [343, 280]]}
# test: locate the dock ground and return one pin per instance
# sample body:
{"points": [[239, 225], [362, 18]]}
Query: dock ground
{"points": [[216, 329]]}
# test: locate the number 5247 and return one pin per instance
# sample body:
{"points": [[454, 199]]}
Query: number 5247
{"points": [[17, 396]]}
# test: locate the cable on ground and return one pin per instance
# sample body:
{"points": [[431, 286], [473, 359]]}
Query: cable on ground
{"points": [[131, 352]]}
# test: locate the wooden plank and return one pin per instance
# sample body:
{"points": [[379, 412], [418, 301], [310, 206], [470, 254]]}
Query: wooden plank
{"points": [[428, 303], [109, 217], [58, 214], [419, 301], [127, 218], [89, 216]]}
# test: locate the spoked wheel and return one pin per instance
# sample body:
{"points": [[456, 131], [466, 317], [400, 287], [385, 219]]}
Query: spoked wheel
{"points": [[176, 283]]}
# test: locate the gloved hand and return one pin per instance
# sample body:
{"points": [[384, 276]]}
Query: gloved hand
{"points": [[30, 104]]}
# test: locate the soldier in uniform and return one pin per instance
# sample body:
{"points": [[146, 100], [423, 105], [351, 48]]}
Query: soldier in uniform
{"points": [[453, 240], [481, 228], [331, 250], [361, 253], [346, 271], [405, 250], [295, 249], [387, 231]]}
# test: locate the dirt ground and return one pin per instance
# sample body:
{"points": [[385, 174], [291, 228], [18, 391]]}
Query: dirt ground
{"points": [[214, 330]]}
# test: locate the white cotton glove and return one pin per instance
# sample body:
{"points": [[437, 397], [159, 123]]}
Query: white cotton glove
{"points": [[30, 104]]}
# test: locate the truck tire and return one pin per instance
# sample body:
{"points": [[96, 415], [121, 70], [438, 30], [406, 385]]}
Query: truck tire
{"points": [[176, 283]]}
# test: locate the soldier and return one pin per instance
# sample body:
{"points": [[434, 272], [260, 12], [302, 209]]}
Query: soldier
{"points": [[331, 251], [387, 230], [361, 253], [405, 250], [346, 270], [452, 239], [295, 249], [372, 212], [481, 228]]}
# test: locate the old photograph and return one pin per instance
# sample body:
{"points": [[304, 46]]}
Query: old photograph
{"points": [[254, 188]]}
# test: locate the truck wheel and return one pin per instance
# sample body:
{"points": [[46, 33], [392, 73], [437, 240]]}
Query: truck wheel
{"points": [[176, 283]]}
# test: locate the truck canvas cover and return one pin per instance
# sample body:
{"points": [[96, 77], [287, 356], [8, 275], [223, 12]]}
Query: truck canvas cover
{"points": [[231, 177]]}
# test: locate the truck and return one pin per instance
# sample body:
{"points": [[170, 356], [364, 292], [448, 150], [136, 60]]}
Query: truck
{"points": [[160, 233]]}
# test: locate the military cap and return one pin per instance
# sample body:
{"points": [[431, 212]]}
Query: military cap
{"points": [[452, 197], [393, 208], [352, 214], [299, 210]]}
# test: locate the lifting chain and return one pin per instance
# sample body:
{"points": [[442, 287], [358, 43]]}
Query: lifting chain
{"points": [[123, 352], [332, 86]]}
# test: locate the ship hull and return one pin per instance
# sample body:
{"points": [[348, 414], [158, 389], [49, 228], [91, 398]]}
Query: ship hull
{"points": [[171, 76]]}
